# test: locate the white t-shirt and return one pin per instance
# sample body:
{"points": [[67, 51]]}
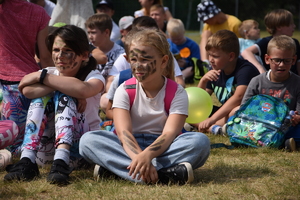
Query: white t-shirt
{"points": [[92, 107], [112, 56], [49, 6], [148, 115], [72, 12], [115, 32], [122, 64]]}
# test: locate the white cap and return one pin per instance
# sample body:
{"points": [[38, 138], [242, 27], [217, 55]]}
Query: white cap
{"points": [[125, 22]]}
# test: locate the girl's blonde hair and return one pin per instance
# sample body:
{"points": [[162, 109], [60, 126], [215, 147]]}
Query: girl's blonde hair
{"points": [[246, 25], [158, 40]]}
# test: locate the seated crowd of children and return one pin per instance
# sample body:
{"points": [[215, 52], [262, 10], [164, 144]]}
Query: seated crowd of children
{"points": [[139, 85]]}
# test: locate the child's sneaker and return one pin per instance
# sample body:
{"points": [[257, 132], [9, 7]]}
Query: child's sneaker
{"points": [[224, 130], [290, 144], [218, 130], [100, 172], [188, 127], [181, 173], [22, 170], [5, 158], [59, 173]]}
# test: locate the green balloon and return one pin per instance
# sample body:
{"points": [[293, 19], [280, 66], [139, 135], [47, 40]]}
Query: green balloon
{"points": [[200, 105]]}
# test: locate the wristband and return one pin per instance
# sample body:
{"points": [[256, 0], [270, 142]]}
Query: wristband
{"points": [[43, 75]]}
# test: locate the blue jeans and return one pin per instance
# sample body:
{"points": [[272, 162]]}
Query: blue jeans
{"points": [[104, 149]]}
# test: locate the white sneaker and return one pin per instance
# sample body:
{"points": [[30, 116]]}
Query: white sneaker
{"points": [[290, 145], [5, 158], [96, 172], [188, 127], [224, 130]]}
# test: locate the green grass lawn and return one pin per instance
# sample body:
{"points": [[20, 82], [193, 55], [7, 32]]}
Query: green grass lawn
{"points": [[241, 173]]}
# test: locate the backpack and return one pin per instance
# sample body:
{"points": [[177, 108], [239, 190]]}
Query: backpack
{"points": [[200, 68], [262, 121]]}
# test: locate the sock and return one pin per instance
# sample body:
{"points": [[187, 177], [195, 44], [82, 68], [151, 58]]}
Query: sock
{"points": [[63, 154], [215, 129], [28, 153]]}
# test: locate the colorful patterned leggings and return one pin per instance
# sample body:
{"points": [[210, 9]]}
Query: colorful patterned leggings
{"points": [[45, 118], [59, 113]]}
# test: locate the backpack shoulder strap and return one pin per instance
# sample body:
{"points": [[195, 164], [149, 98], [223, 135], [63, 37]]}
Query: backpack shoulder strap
{"points": [[130, 87], [125, 75], [171, 89]]}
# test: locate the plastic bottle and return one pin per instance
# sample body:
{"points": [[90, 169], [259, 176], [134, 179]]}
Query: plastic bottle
{"points": [[288, 119]]}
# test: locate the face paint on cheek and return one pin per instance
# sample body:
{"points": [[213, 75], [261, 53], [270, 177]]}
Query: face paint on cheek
{"points": [[74, 65], [138, 68], [73, 61], [70, 57], [149, 69], [152, 67]]}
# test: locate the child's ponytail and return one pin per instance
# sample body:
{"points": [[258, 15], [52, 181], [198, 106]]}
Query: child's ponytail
{"points": [[86, 67]]}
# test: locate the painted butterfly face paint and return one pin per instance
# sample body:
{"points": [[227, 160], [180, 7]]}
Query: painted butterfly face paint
{"points": [[143, 63], [64, 58]]}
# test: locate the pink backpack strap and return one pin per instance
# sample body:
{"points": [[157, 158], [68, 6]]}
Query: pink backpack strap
{"points": [[171, 89], [130, 87]]}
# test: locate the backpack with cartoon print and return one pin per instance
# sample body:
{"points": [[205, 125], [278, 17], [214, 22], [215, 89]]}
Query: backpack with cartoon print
{"points": [[262, 121]]}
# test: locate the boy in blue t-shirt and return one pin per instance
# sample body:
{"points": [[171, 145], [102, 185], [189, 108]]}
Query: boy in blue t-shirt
{"points": [[228, 79], [183, 47]]}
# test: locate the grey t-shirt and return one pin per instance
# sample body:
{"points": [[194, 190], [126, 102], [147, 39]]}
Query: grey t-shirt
{"points": [[289, 90]]}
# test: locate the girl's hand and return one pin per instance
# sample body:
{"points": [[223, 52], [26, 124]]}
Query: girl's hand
{"points": [[29, 79], [81, 105], [140, 166], [204, 126], [153, 176]]}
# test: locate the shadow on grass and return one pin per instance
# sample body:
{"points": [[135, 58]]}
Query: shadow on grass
{"points": [[223, 173]]}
